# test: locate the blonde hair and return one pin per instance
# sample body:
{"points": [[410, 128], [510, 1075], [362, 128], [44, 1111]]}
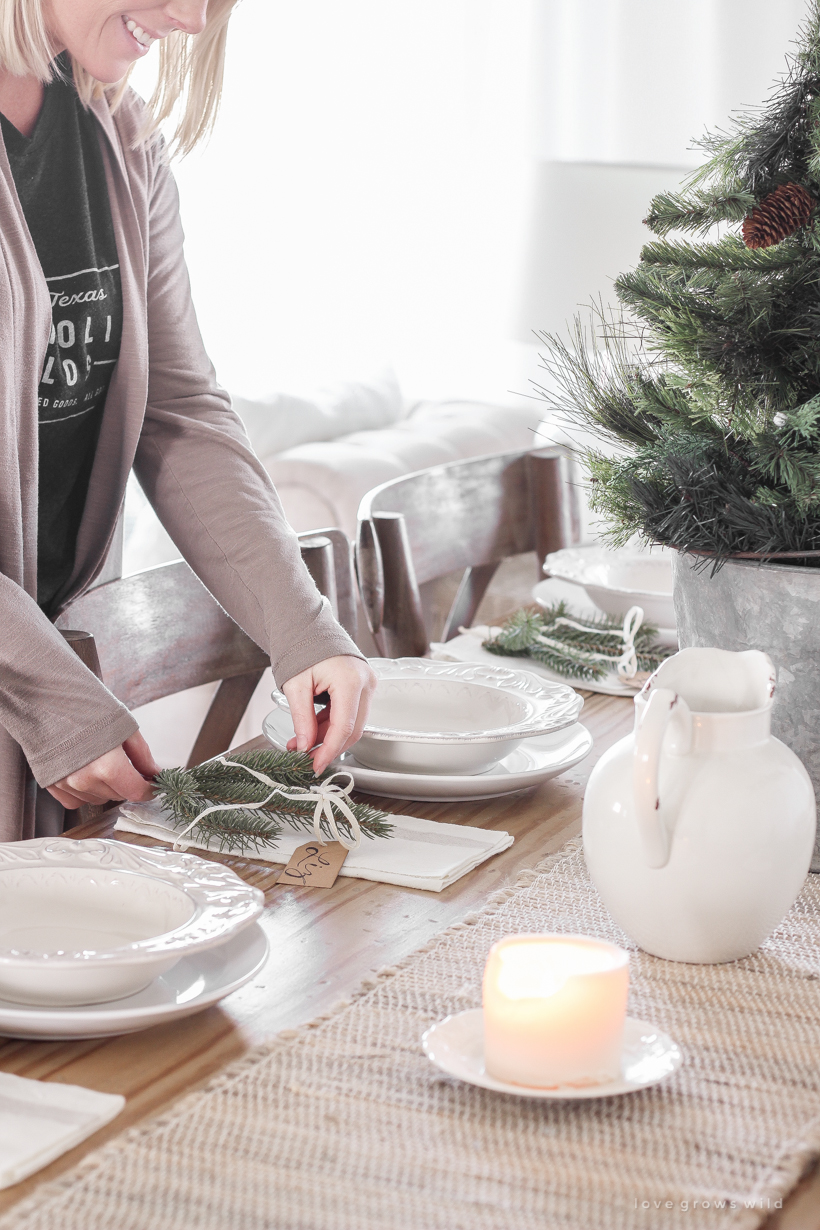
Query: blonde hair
{"points": [[190, 73]]}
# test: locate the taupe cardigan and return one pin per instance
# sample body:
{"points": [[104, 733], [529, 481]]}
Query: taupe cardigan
{"points": [[166, 415]]}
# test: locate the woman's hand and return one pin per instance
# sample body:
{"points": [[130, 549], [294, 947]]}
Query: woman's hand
{"points": [[118, 774], [350, 683]]}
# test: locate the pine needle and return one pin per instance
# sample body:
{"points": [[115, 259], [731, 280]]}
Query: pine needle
{"points": [[570, 649], [187, 792]]}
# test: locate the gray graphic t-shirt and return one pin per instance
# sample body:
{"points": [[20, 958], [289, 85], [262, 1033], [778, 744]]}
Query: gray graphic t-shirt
{"points": [[60, 180]]}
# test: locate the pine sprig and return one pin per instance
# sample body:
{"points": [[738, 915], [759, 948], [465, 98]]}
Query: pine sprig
{"points": [[697, 211], [729, 253], [187, 792], [568, 650]]}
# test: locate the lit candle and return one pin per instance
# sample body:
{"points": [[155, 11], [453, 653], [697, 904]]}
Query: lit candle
{"points": [[554, 1010]]}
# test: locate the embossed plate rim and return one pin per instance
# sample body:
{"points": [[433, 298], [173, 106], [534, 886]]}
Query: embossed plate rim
{"points": [[223, 903]]}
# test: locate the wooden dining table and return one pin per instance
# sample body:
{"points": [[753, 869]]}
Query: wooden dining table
{"points": [[323, 944]]}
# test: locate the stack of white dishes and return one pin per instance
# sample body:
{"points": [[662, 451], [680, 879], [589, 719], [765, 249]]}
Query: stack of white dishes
{"points": [[98, 937], [444, 731]]}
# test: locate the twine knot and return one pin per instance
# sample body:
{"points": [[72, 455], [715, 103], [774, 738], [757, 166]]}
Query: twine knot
{"points": [[326, 795], [626, 664], [628, 661]]}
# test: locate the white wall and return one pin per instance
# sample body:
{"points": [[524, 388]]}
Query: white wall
{"points": [[388, 182], [361, 201], [620, 89], [633, 81]]}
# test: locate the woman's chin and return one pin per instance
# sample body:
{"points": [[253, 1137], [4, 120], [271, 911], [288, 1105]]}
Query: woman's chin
{"points": [[108, 69]]}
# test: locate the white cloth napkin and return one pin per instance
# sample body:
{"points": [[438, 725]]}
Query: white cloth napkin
{"points": [[39, 1120], [420, 853], [467, 647]]}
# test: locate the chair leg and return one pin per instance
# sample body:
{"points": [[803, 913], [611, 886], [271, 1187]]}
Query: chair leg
{"points": [[345, 580], [555, 504], [223, 717], [403, 631], [370, 577], [472, 589], [317, 554]]}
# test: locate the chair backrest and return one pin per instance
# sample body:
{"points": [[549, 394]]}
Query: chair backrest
{"points": [[160, 631], [464, 515]]}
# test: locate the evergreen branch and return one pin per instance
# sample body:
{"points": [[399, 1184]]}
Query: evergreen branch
{"points": [[696, 498], [728, 253], [589, 651], [592, 380], [698, 211], [188, 792]]}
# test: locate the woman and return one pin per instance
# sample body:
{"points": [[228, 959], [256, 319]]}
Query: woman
{"points": [[102, 367]]}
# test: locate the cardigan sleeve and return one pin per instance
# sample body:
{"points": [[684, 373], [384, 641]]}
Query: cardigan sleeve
{"points": [[200, 473], [50, 703]]}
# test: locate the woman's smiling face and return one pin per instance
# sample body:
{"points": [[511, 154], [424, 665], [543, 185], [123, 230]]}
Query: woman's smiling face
{"points": [[107, 38]]}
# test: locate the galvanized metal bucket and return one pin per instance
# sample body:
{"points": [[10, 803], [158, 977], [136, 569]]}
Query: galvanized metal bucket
{"points": [[773, 607]]}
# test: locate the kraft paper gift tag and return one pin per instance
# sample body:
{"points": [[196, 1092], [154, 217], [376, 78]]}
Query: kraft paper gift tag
{"points": [[314, 865]]}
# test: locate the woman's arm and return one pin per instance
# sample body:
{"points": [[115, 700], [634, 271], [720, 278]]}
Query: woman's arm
{"points": [[50, 703]]}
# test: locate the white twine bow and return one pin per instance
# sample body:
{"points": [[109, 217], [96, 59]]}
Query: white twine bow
{"points": [[628, 661], [626, 664], [326, 794]]}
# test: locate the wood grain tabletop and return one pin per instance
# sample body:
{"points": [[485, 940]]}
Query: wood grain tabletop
{"points": [[324, 942]]}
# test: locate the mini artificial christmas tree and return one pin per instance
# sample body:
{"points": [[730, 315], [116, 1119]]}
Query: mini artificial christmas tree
{"points": [[709, 383]]}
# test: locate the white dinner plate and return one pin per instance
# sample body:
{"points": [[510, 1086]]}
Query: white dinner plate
{"points": [[534, 761], [456, 1045], [194, 983]]}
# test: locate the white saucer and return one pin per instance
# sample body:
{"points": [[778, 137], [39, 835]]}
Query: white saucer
{"points": [[192, 984], [456, 1045], [534, 761]]}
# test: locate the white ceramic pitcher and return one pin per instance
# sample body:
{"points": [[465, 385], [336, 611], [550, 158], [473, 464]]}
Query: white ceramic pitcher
{"points": [[699, 826]]}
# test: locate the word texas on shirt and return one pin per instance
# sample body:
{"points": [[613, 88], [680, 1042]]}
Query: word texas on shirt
{"points": [[60, 180]]}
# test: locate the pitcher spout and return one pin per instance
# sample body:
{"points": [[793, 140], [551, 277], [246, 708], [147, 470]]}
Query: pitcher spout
{"points": [[716, 680]]}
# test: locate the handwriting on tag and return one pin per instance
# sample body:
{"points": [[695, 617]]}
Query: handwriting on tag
{"points": [[314, 865]]}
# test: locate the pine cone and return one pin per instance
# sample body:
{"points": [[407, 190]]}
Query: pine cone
{"points": [[778, 215]]}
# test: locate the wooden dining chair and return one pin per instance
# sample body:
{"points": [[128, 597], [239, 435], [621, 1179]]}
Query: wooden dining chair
{"points": [[160, 631], [466, 515]]}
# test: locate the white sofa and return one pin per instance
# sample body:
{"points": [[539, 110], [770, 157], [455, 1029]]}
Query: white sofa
{"points": [[323, 453]]}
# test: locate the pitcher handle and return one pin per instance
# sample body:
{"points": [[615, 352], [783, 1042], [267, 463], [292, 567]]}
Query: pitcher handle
{"points": [[662, 706]]}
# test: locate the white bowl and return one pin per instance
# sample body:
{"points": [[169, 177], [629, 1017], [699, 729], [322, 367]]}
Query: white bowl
{"points": [[84, 922], [453, 717], [617, 580]]}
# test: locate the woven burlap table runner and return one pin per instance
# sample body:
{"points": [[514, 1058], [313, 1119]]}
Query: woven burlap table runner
{"points": [[345, 1125]]}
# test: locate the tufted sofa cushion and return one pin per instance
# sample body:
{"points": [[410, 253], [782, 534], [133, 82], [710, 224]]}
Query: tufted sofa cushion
{"points": [[285, 420], [322, 482]]}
